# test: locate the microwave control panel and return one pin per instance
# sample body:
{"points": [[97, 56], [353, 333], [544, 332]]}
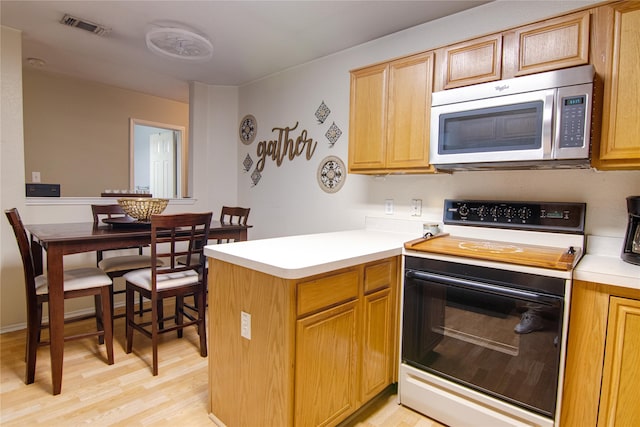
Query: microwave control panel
{"points": [[539, 216], [573, 114]]}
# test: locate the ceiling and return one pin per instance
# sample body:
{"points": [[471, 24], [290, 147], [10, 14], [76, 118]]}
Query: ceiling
{"points": [[251, 39]]}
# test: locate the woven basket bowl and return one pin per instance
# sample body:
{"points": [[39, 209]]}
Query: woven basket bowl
{"points": [[141, 208]]}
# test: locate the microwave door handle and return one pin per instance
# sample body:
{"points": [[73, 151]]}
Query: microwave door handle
{"points": [[548, 126], [480, 287]]}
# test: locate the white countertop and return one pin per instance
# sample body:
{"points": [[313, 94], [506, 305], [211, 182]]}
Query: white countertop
{"points": [[301, 256], [295, 257], [602, 264]]}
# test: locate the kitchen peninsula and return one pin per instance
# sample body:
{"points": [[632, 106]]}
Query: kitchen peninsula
{"points": [[302, 328]]}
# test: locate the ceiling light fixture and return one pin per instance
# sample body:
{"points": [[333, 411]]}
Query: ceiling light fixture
{"points": [[179, 43]]}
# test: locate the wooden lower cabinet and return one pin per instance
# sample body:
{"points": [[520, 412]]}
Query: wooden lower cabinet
{"points": [[620, 395], [326, 371], [378, 343], [320, 347], [602, 376]]}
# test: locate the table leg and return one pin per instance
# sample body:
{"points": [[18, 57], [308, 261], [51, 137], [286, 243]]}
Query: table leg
{"points": [[56, 314], [36, 253]]}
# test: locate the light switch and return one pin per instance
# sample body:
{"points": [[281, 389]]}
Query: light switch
{"points": [[35, 177]]}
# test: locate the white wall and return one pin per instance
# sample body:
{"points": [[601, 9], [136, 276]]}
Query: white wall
{"points": [[11, 170], [287, 200]]}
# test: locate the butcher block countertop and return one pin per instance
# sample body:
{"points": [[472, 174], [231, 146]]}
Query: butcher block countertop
{"points": [[514, 253]]}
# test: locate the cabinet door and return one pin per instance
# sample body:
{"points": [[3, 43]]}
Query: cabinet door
{"points": [[619, 144], [475, 61], [326, 363], [378, 341], [368, 118], [409, 104], [620, 398], [555, 43], [585, 353]]}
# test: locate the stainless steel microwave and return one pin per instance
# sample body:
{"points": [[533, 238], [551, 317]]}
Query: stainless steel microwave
{"points": [[537, 121]]}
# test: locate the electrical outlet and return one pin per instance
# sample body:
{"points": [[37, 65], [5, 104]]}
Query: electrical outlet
{"points": [[35, 177], [245, 325], [388, 206], [416, 207]]}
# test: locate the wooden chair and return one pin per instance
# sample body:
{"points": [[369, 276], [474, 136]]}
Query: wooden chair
{"points": [[117, 266], [228, 215], [172, 236], [77, 283], [233, 215]]}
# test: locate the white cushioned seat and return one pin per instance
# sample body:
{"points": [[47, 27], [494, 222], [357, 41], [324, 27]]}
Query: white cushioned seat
{"points": [[142, 278], [79, 278], [125, 262]]}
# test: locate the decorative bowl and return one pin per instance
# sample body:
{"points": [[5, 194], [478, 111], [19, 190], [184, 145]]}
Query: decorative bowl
{"points": [[141, 208]]}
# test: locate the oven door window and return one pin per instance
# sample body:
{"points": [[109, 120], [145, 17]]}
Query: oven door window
{"points": [[503, 128], [497, 343]]}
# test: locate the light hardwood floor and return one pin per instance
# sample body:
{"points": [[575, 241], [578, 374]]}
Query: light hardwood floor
{"points": [[126, 394]]}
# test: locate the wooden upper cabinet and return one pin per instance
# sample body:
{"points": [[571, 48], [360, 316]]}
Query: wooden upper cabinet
{"points": [[617, 43], [549, 45], [389, 116], [470, 62], [410, 86], [543, 46], [368, 118]]}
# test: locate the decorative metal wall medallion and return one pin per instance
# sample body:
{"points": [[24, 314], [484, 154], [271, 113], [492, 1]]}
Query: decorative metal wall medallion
{"points": [[247, 163], [322, 112], [333, 133], [255, 177], [331, 174], [248, 129]]}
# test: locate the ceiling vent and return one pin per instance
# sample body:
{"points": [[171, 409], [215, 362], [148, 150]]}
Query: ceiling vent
{"points": [[72, 21]]}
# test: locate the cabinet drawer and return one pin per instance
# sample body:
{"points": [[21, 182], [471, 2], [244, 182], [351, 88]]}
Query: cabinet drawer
{"points": [[379, 276], [326, 292]]}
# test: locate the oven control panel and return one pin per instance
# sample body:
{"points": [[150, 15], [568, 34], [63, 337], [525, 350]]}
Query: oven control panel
{"points": [[539, 216]]}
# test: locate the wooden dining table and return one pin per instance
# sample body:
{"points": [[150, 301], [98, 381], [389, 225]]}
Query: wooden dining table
{"points": [[58, 240]]}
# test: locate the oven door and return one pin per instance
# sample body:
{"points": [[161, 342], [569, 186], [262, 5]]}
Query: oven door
{"points": [[498, 340], [503, 129]]}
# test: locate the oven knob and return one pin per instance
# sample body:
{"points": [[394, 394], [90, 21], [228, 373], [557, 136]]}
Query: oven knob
{"points": [[495, 211], [524, 213], [483, 211], [463, 210], [510, 212]]}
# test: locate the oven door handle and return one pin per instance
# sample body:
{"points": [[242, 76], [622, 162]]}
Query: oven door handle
{"points": [[479, 286]]}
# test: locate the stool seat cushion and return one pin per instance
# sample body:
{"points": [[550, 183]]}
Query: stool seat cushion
{"points": [[126, 262], [79, 278], [142, 279]]}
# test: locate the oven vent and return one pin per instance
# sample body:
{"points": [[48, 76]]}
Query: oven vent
{"points": [[83, 24]]}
